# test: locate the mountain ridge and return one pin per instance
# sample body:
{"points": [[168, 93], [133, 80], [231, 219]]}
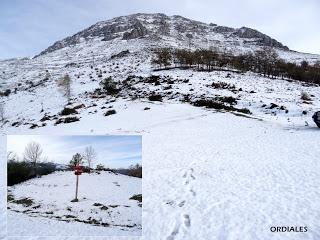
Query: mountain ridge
{"points": [[160, 27]]}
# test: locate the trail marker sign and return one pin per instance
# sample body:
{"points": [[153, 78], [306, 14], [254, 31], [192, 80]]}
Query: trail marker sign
{"points": [[77, 171]]}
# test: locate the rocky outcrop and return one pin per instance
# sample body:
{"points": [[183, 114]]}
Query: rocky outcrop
{"points": [[137, 31], [261, 39], [156, 26]]}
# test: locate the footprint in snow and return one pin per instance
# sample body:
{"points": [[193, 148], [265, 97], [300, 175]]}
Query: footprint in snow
{"points": [[169, 202], [193, 192], [186, 220], [174, 232], [181, 204], [189, 176]]}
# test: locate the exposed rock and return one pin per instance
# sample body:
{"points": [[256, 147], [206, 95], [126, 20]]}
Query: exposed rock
{"points": [[68, 111], [67, 120], [273, 105], [262, 39], [138, 31], [110, 112], [33, 125], [120, 54], [155, 26], [45, 118], [316, 118]]}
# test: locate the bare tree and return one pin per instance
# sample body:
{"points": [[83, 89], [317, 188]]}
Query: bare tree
{"points": [[32, 153], [163, 56], [65, 85], [2, 117], [12, 157], [89, 155]]}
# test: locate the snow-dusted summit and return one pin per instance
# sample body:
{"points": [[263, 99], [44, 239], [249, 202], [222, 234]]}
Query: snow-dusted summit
{"points": [[160, 27]]}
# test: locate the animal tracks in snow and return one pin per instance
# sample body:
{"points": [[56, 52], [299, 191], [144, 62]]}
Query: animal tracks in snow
{"points": [[186, 220], [188, 175], [183, 219], [181, 204], [174, 232]]}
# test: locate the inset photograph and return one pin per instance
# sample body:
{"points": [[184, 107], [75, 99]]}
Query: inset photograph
{"points": [[74, 185]]}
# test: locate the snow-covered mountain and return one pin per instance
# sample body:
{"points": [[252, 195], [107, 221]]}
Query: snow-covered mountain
{"points": [[208, 173], [162, 28]]}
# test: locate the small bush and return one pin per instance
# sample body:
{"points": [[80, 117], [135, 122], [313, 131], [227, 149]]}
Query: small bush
{"points": [[155, 97], [137, 197], [110, 112], [230, 100], [67, 120], [209, 103], [68, 111], [97, 204], [6, 93], [101, 167], [305, 96], [109, 85], [104, 208], [243, 110], [27, 202], [223, 85], [71, 119]]}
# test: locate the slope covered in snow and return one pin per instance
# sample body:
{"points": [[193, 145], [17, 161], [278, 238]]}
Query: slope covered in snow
{"points": [[208, 174], [214, 175], [104, 206], [139, 33]]}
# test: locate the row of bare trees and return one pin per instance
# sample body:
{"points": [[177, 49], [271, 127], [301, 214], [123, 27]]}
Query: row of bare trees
{"points": [[32, 164], [33, 154], [265, 61]]}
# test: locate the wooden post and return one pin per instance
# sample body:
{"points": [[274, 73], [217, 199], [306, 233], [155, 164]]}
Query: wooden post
{"points": [[77, 187], [77, 183], [77, 172]]}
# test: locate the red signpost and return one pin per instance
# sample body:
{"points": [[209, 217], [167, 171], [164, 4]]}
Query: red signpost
{"points": [[77, 171]]}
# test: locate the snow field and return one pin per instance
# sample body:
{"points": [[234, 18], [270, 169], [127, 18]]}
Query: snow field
{"points": [[103, 199]]}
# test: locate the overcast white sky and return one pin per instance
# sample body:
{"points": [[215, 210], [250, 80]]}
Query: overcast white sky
{"points": [[112, 151], [29, 26]]}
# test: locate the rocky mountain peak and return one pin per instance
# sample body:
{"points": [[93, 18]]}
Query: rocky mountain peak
{"points": [[161, 27]]}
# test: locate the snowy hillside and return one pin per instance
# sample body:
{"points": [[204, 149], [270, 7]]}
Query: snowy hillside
{"points": [[104, 206], [214, 175], [226, 173]]}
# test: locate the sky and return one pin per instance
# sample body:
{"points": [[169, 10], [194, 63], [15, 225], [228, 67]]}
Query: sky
{"points": [[112, 151], [29, 26]]}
